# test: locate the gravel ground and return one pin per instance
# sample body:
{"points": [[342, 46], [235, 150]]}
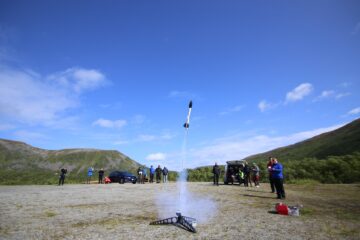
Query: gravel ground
{"points": [[124, 211]]}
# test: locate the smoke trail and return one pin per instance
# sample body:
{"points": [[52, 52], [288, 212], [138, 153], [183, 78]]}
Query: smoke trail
{"points": [[168, 203], [182, 179]]}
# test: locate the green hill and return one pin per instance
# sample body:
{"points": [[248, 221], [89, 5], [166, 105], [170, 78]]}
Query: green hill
{"points": [[342, 141], [21, 163], [332, 157]]}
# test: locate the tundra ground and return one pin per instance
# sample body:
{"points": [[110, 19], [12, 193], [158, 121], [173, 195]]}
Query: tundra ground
{"points": [[124, 211]]}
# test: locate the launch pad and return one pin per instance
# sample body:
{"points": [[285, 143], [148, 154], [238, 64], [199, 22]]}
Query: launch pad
{"points": [[186, 223]]}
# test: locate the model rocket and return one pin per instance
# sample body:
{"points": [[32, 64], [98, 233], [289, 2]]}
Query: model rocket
{"points": [[186, 124]]}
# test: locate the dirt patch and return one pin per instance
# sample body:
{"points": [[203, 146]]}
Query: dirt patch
{"points": [[124, 211]]}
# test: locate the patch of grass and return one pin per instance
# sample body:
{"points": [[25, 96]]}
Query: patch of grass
{"points": [[4, 231], [349, 215], [349, 232], [50, 213], [304, 182], [307, 211], [84, 206], [119, 220]]}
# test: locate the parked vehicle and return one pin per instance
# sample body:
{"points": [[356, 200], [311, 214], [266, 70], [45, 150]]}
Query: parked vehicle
{"points": [[231, 171], [122, 177]]}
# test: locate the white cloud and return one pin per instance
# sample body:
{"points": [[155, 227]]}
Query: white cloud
{"points": [[156, 157], [232, 110], [341, 95], [325, 94], [109, 123], [354, 111], [331, 94], [299, 92], [25, 97], [79, 79], [231, 148], [264, 105], [28, 97]]}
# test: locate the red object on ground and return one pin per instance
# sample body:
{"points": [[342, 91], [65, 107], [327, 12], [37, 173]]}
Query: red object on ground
{"points": [[107, 180], [282, 209]]}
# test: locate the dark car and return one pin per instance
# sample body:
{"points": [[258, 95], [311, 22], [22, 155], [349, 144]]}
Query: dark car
{"points": [[122, 177], [231, 171]]}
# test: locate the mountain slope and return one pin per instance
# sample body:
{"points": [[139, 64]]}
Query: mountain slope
{"points": [[21, 163], [342, 141], [332, 157]]}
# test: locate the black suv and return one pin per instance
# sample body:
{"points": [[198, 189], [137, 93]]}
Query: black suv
{"points": [[122, 177]]}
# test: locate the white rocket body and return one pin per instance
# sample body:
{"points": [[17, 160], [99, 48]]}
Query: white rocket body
{"points": [[186, 124]]}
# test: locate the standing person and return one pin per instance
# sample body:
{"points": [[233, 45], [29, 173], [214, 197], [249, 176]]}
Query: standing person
{"points": [[247, 175], [152, 172], [277, 175], [256, 174], [101, 175], [165, 174], [89, 174], [216, 172], [271, 180], [241, 176], [144, 174], [158, 174], [63, 172], [140, 175]]}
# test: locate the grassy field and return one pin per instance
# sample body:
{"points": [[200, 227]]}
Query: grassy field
{"points": [[124, 211]]}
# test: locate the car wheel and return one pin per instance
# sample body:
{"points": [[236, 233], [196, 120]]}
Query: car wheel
{"points": [[134, 182]]}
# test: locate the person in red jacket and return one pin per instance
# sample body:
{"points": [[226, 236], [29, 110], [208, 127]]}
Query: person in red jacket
{"points": [[271, 180]]}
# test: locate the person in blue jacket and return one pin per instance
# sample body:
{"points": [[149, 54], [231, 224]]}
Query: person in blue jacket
{"points": [[89, 174], [152, 172], [277, 175]]}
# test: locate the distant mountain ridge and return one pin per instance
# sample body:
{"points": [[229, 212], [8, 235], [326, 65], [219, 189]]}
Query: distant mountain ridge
{"points": [[21, 163], [342, 141], [331, 157]]}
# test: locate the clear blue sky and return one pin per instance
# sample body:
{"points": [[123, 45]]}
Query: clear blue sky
{"points": [[119, 75]]}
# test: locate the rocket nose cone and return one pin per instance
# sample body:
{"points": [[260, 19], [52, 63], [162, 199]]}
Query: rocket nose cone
{"points": [[190, 104]]}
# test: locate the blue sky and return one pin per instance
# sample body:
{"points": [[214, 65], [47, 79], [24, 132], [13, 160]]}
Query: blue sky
{"points": [[119, 75]]}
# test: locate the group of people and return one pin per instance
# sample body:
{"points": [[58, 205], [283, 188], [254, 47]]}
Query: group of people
{"points": [[246, 174], [90, 173], [158, 172]]}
